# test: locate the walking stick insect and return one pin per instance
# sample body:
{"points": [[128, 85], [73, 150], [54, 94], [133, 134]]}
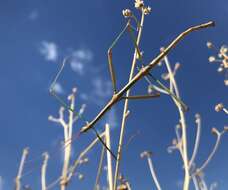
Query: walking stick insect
{"points": [[143, 72]]}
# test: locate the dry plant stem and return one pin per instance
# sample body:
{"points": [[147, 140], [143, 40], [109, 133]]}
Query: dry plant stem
{"points": [[183, 127], [109, 156], [128, 186], [153, 173], [195, 182], [82, 154], [68, 129], [196, 146], [168, 91], [119, 153], [43, 171], [141, 97], [225, 110], [172, 80], [99, 171], [54, 183], [202, 183], [20, 170], [143, 72], [204, 165]]}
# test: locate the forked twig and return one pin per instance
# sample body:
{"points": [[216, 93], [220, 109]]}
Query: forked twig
{"points": [[215, 148], [82, 154]]}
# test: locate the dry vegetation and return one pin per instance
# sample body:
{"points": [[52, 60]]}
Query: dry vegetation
{"points": [[139, 71]]}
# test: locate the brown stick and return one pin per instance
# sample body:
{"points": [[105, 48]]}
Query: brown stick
{"points": [[143, 72]]}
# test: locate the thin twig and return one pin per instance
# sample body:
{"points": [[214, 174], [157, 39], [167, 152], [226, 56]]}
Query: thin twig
{"points": [[196, 146], [20, 170], [125, 109], [82, 154], [218, 140], [183, 147], [152, 170], [109, 158], [43, 171], [99, 168]]}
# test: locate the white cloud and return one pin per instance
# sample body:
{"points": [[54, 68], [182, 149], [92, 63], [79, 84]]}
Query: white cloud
{"points": [[33, 15], [77, 67], [102, 88], [83, 54], [1, 183], [58, 88], [79, 60], [49, 50]]}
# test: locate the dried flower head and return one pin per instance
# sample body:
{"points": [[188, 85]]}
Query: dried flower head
{"points": [[220, 69], [147, 10], [50, 117], [80, 176], [214, 131], [219, 107], [127, 13], [211, 59], [223, 49], [209, 45], [145, 154], [226, 82], [122, 187], [139, 4], [226, 128], [74, 90]]}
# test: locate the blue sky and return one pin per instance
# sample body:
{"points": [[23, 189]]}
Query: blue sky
{"points": [[35, 36]]}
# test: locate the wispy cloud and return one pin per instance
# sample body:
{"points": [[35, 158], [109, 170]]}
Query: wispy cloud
{"points": [[49, 50], [79, 60], [33, 15], [78, 67], [102, 88], [83, 54], [58, 88]]}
